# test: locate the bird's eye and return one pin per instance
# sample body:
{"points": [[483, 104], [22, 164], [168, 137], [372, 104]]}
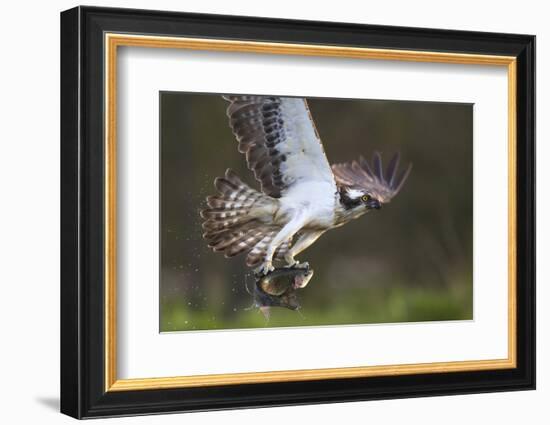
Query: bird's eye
{"points": [[365, 198]]}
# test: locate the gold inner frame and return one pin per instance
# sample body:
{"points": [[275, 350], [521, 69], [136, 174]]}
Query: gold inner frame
{"points": [[113, 41]]}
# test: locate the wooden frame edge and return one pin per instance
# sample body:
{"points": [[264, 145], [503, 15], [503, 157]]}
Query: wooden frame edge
{"points": [[306, 375]]}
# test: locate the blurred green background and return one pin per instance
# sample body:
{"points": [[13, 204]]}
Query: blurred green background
{"points": [[410, 261]]}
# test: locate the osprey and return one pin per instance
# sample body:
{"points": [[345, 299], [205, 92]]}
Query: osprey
{"points": [[301, 195]]}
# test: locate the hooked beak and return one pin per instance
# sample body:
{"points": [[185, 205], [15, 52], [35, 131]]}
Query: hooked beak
{"points": [[374, 204]]}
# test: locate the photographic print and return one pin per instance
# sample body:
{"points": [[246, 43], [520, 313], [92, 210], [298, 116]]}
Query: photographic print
{"points": [[286, 211]]}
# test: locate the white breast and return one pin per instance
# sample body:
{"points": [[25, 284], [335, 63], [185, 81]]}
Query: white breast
{"points": [[315, 198]]}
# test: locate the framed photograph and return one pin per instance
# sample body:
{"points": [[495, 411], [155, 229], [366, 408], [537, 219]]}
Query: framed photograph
{"points": [[261, 212]]}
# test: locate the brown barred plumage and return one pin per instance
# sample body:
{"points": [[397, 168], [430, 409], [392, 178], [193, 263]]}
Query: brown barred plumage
{"points": [[383, 185], [238, 219], [279, 139]]}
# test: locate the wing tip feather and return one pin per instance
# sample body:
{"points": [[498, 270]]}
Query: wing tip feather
{"points": [[385, 183]]}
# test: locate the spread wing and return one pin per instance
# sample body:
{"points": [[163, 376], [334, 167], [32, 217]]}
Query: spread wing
{"points": [[279, 139], [383, 185]]}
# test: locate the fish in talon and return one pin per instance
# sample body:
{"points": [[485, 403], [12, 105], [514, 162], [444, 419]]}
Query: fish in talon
{"points": [[279, 288], [279, 281]]}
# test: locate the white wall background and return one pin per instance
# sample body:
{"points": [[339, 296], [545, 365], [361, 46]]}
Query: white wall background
{"points": [[29, 225]]}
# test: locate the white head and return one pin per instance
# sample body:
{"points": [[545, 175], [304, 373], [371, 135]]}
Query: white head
{"points": [[355, 202], [364, 187]]}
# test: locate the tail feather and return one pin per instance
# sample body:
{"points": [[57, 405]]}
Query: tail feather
{"points": [[233, 219], [258, 251], [244, 244], [282, 250]]}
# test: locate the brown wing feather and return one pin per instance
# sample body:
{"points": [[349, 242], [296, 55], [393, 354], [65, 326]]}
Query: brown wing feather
{"points": [[384, 185], [279, 139], [248, 118]]}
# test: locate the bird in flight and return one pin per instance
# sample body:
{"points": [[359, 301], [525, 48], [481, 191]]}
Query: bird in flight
{"points": [[302, 195]]}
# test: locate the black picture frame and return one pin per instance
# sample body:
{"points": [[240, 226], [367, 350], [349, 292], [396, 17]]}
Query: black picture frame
{"points": [[83, 392]]}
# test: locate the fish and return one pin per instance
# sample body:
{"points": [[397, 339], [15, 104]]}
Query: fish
{"points": [[279, 288]]}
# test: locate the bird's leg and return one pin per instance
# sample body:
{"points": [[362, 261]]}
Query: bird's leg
{"points": [[287, 232], [303, 242]]}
